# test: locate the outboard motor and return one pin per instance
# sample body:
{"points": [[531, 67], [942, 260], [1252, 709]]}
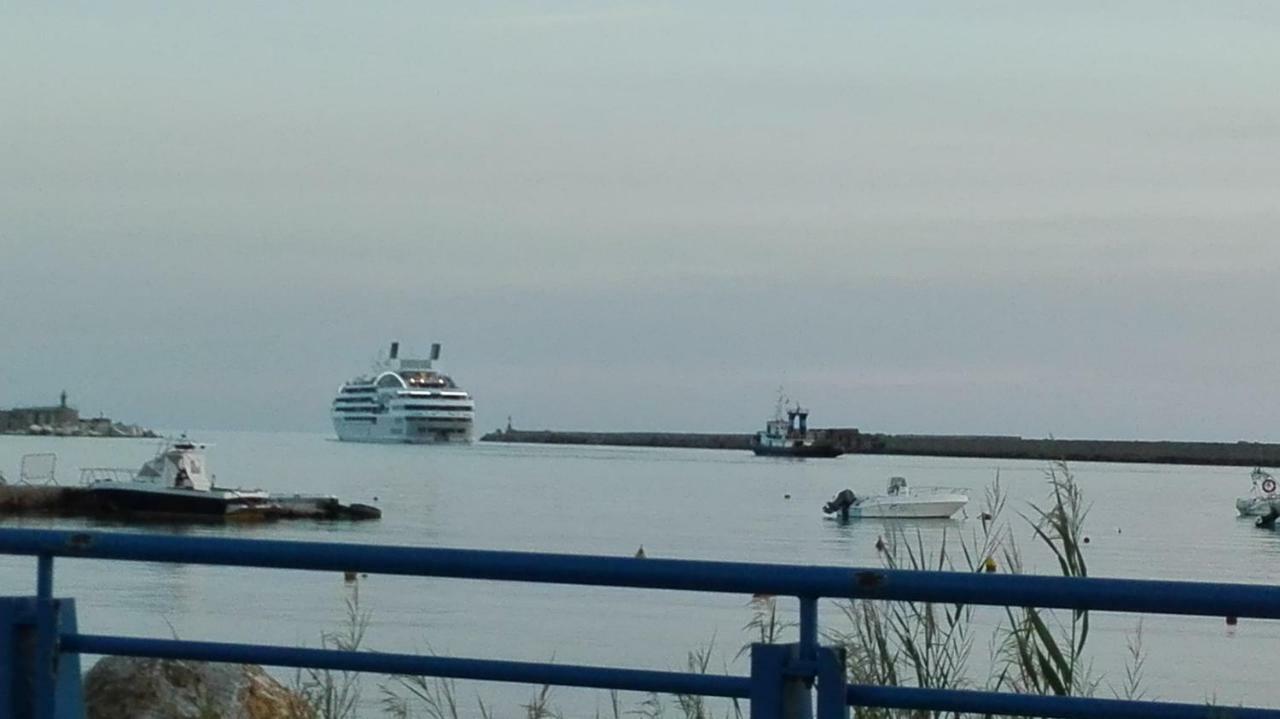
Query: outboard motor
{"points": [[1268, 521], [841, 503]]}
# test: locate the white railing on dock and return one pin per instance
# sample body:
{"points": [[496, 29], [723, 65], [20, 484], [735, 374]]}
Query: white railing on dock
{"points": [[39, 468]]}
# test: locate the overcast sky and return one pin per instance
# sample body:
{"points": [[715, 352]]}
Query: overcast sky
{"points": [[991, 217]]}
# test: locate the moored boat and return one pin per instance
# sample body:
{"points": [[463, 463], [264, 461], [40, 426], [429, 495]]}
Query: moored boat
{"points": [[176, 482], [1261, 495], [899, 502], [790, 437]]}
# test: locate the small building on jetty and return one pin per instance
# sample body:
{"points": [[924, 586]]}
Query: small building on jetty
{"points": [[64, 420]]}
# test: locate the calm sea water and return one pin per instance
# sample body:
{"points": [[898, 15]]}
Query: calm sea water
{"points": [[1145, 521]]}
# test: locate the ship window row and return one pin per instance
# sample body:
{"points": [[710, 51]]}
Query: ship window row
{"points": [[374, 409], [360, 419], [358, 390], [348, 400]]}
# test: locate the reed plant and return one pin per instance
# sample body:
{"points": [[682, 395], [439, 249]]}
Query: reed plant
{"points": [[405, 696], [925, 644], [1043, 652], [328, 694]]}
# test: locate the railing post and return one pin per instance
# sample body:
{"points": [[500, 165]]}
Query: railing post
{"points": [[808, 627], [30, 687], [46, 636], [780, 688], [832, 684]]}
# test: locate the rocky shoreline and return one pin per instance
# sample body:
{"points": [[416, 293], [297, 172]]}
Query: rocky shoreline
{"points": [[114, 429], [63, 420]]}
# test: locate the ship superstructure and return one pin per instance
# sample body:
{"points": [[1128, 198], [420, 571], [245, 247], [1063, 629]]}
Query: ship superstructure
{"points": [[404, 400]]}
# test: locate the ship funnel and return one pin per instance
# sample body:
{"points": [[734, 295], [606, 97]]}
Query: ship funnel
{"points": [[435, 350], [395, 350]]}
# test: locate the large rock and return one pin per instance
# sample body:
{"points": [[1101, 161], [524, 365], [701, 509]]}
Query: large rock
{"points": [[134, 688]]}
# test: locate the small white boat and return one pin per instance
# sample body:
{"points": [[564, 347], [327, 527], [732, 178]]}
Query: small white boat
{"points": [[899, 502], [176, 482], [1261, 495]]}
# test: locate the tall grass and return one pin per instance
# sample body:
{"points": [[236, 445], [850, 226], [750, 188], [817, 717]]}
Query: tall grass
{"points": [[925, 644], [329, 694], [1043, 651]]}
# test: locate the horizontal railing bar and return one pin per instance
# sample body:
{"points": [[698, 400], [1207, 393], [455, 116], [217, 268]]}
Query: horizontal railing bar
{"points": [[1007, 704], [1121, 595], [943, 700], [568, 675]]}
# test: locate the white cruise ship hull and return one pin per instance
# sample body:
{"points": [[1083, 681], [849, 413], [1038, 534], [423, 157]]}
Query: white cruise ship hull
{"points": [[387, 430]]}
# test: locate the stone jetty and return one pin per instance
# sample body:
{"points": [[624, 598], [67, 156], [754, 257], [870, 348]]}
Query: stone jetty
{"points": [[63, 420], [853, 441]]}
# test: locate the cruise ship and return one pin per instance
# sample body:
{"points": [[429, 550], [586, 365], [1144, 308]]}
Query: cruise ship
{"points": [[403, 400]]}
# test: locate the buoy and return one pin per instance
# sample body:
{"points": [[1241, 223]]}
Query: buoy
{"points": [[349, 576], [786, 496], [640, 552], [879, 544], [989, 565], [1086, 540], [1231, 621]]}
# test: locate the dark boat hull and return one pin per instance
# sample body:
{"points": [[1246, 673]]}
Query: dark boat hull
{"points": [[819, 450], [197, 504]]}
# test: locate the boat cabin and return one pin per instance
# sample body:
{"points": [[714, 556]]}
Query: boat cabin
{"points": [[180, 465]]}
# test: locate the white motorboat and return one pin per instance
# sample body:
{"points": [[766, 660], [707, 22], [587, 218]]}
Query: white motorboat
{"points": [[899, 502], [1261, 495], [176, 482], [404, 400]]}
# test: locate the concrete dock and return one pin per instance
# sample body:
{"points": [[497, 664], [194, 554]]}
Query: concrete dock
{"points": [[58, 501]]}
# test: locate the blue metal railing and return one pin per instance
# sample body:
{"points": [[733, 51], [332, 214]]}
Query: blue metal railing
{"points": [[783, 679]]}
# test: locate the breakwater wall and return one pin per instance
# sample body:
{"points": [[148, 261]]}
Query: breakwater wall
{"points": [[1242, 454], [688, 440]]}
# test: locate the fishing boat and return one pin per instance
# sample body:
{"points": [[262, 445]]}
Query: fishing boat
{"points": [[790, 437], [176, 482], [1258, 502], [899, 502]]}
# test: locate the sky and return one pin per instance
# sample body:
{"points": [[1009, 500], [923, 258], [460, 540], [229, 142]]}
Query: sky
{"points": [[919, 217]]}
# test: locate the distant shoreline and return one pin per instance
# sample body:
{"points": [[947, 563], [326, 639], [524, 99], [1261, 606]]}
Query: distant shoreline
{"points": [[853, 441], [128, 433]]}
